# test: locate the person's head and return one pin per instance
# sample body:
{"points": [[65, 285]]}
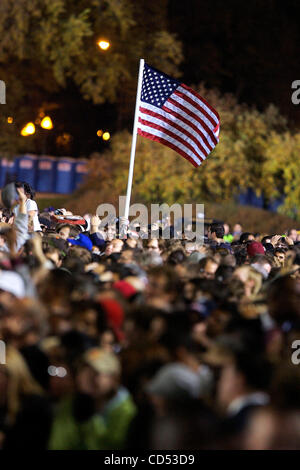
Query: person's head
{"points": [[176, 257], [263, 262], [12, 287], [266, 239], [77, 257], [176, 384], [108, 249], [64, 231], [279, 255], [54, 241], [111, 231], [153, 245], [224, 273], [226, 229], [269, 248], [149, 259], [292, 233], [27, 189], [116, 245], [190, 247], [7, 216], [88, 317], [55, 292], [216, 231], [284, 299], [237, 229], [101, 370], [127, 256], [255, 248], [246, 373], [251, 279], [208, 267], [246, 237], [163, 285], [131, 243], [53, 254]]}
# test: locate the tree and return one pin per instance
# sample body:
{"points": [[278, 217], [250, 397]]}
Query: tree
{"points": [[256, 151], [50, 45], [282, 171]]}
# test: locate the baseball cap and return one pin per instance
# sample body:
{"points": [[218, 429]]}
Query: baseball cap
{"points": [[177, 381], [103, 362], [255, 248], [126, 289], [9, 195], [12, 282], [82, 240]]}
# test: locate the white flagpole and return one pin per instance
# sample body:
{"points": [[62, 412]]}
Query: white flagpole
{"points": [[134, 137]]}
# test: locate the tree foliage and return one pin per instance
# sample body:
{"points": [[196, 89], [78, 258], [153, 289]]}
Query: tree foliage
{"points": [[49, 45], [256, 150]]}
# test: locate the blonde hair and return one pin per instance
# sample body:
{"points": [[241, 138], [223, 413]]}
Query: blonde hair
{"points": [[20, 382]]}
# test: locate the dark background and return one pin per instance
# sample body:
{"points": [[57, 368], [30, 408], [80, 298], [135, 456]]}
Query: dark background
{"points": [[248, 48]]}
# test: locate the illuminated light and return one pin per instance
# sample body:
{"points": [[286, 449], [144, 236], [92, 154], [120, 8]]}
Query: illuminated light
{"points": [[99, 133], [52, 371], [29, 129], [103, 44], [47, 123], [106, 136], [10, 120], [61, 372]]}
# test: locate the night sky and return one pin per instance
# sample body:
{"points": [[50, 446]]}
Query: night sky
{"points": [[250, 48]]}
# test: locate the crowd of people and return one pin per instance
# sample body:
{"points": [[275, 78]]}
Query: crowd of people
{"points": [[134, 341]]}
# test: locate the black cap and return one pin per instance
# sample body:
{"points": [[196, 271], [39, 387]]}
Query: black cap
{"points": [[9, 195]]}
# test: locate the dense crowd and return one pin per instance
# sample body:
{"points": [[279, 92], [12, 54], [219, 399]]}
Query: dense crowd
{"points": [[141, 342]]}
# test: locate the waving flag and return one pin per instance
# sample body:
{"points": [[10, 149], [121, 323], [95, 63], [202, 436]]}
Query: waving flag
{"points": [[175, 115]]}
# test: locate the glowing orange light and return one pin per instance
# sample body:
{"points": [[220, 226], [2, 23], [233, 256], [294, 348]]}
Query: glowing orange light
{"points": [[106, 136], [29, 129], [47, 123], [103, 44]]}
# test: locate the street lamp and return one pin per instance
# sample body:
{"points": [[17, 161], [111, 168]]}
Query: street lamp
{"points": [[103, 44], [29, 129], [47, 123], [106, 136]]}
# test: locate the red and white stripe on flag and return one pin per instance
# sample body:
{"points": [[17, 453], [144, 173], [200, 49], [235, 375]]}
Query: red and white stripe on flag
{"points": [[175, 115]]}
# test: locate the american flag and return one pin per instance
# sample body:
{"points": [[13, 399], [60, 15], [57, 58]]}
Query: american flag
{"points": [[175, 115]]}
